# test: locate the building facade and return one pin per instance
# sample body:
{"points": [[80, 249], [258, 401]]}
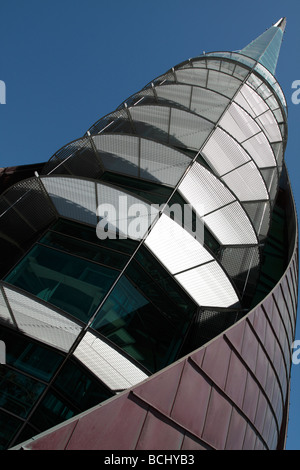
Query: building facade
{"points": [[149, 270]]}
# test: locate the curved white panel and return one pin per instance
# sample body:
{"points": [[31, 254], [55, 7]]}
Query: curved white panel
{"points": [[72, 197], [231, 226], [203, 190], [238, 123], [220, 210], [209, 286], [117, 372], [41, 322], [171, 125], [247, 183], [76, 199], [223, 153], [175, 248], [248, 99], [260, 150], [136, 157]]}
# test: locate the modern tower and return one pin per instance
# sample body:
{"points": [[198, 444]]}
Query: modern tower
{"points": [[149, 270]]}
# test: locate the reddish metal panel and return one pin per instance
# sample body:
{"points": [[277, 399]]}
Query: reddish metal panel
{"points": [[235, 335], [217, 420], [251, 397], [260, 412], [109, 427], [237, 431], [261, 369], [249, 439], [236, 381], [216, 361], [56, 440], [249, 347], [158, 433], [258, 319], [191, 443], [198, 356], [160, 392], [271, 381], [191, 400]]}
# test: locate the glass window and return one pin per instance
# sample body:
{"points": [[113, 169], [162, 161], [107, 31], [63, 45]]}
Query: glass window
{"points": [[29, 356], [82, 389], [151, 333], [53, 410], [18, 393], [84, 250], [74, 285], [8, 428], [86, 233]]}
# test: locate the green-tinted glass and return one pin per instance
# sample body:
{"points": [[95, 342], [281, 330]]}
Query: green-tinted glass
{"points": [[85, 250], [51, 411], [18, 393], [30, 357], [80, 387], [266, 48], [76, 286], [149, 333], [85, 233], [8, 428]]}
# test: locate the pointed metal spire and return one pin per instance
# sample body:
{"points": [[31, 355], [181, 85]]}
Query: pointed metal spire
{"points": [[265, 49]]}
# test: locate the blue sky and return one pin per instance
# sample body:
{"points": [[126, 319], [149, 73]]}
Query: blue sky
{"points": [[67, 63]]}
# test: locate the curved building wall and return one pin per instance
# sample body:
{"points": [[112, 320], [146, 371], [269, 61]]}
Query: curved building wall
{"points": [[89, 316], [232, 393]]}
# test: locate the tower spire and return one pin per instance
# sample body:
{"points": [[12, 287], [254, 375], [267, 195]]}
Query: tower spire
{"points": [[265, 49]]}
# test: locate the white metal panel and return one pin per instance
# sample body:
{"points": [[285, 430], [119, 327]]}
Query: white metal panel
{"points": [[188, 128], [209, 286], [246, 183], [125, 214], [238, 123], [260, 150], [269, 125], [117, 372], [203, 190], [73, 197], [192, 76], [161, 163], [231, 226], [175, 248], [118, 152], [223, 153], [176, 93], [41, 322], [251, 101]]}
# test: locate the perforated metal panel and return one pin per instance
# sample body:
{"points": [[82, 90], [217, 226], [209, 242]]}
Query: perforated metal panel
{"points": [[203, 190], [165, 239], [117, 372], [41, 322], [73, 198], [247, 183], [209, 286], [223, 153], [231, 226]]}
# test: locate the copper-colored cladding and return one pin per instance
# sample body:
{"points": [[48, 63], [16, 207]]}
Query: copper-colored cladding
{"points": [[230, 394]]}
